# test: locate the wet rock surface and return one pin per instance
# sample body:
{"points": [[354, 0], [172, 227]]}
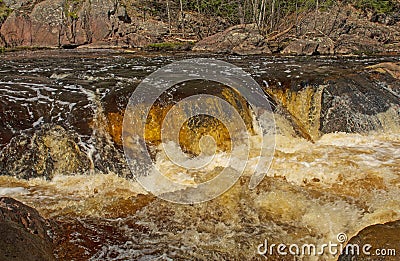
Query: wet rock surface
{"points": [[357, 105], [343, 99], [384, 241], [43, 153], [24, 233]]}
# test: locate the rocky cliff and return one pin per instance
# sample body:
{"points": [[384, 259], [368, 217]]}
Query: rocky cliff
{"points": [[71, 23]]}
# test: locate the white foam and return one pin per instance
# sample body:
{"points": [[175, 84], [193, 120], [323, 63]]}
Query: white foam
{"points": [[4, 191]]}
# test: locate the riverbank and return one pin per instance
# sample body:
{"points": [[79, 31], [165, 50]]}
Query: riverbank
{"points": [[340, 29]]}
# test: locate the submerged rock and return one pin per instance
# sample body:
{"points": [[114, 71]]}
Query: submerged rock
{"points": [[383, 238], [43, 153], [24, 233], [355, 103], [193, 129], [352, 100]]}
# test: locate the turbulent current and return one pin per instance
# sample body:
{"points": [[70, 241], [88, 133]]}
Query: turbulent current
{"points": [[335, 168]]}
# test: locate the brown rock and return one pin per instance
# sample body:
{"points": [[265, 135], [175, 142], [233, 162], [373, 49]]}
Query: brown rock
{"points": [[317, 45], [16, 30], [350, 44], [56, 23], [99, 18], [24, 233], [15, 4], [391, 68], [138, 40], [239, 39], [252, 46], [46, 21], [41, 27], [325, 46], [383, 238], [301, 47]]}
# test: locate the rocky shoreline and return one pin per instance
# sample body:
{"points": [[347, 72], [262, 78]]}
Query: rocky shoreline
{"points": [[103, 24], [23, 228]]}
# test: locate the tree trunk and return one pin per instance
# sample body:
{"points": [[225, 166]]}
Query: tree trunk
{"points": [[169, 17], [198, 6], [182, 18], [255, 10], [272, 15], [241, 14], [316, 14], [262, 14]]}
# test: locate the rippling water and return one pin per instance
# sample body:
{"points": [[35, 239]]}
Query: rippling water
{"points": [[340, 183]]}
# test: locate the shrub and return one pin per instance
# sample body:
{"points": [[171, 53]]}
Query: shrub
{"points": [[378, 6], [4, 11]]}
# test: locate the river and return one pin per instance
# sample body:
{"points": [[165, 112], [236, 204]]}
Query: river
{"points": [[61, 153]]}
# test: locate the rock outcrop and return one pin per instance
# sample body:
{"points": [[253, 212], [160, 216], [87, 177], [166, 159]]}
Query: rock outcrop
{"points": [[341, 30], [349, 31], [333, 100], [301, 47], [383, 239], [391, 68], [43, 153], [319, 45], [69, 24], [125, 23], [24, 233], [240, 39]]}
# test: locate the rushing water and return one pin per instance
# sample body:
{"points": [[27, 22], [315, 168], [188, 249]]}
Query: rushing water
{"points": [[61, 104]]}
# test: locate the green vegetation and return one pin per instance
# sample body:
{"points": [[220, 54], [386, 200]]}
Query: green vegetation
{"points": [[169, 46], [222, 8], [70, 9], [269, 15], [378, 6], [4, 11], [71, 14], [21, 48]]}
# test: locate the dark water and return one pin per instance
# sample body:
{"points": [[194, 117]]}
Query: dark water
{"points": [[59, 118]]}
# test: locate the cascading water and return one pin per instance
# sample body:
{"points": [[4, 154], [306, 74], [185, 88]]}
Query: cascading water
{"points": [[335, 169]]}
